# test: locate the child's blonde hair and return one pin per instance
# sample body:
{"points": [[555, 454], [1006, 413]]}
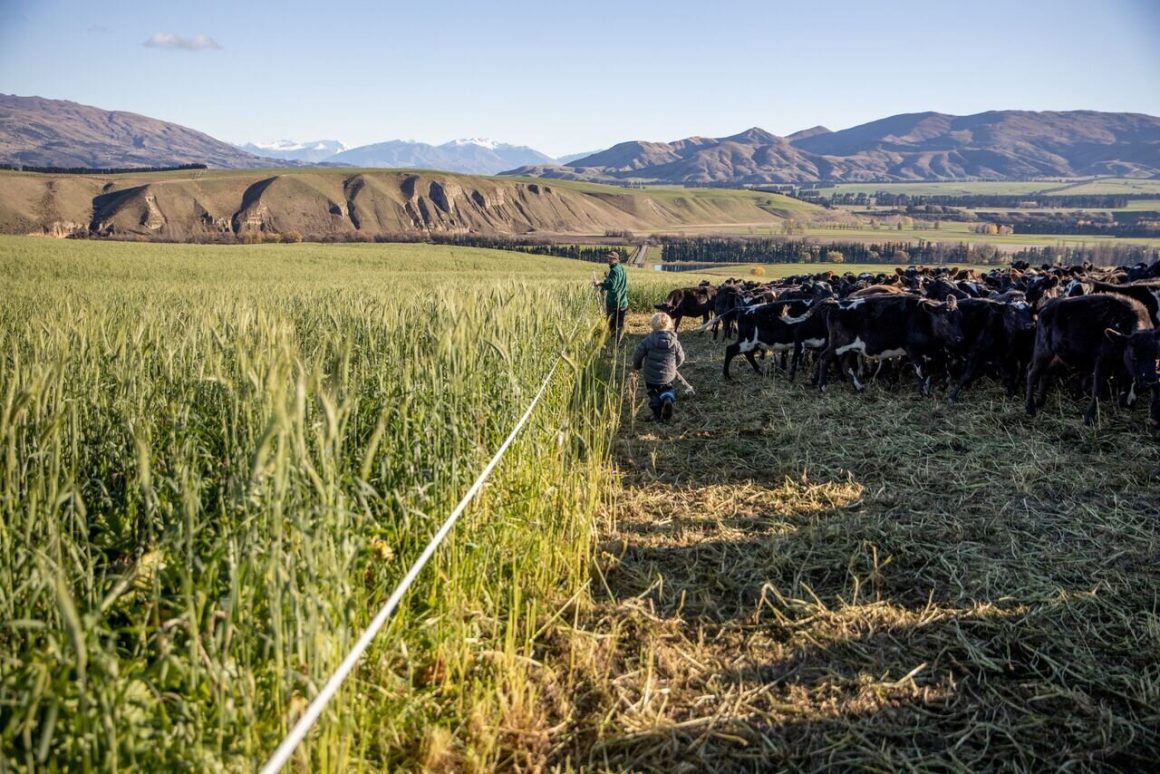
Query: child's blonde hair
{"points": [[661, 322]]}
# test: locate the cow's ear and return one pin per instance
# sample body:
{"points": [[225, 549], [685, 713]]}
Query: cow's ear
{"points": [[898, 270], [952, 303], [1114, 335]]}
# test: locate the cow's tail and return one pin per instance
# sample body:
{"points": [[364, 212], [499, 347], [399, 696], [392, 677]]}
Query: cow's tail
{"points": [[713, 321]]}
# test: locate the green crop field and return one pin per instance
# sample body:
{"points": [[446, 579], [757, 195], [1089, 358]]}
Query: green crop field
{"points": [[217, 462]]}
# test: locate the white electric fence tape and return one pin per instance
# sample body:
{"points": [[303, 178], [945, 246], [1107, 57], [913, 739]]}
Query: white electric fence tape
{"points": [[296, 735]]}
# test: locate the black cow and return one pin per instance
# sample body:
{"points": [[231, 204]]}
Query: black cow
{"points": [[887, 326], [763, 327], [1042, 289], [994, 334], [1147, 293], [1101, 334], [689, 302], [1142, 272], [729, 297]]}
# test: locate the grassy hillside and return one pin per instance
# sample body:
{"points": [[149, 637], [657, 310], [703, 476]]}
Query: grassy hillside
{"points": [[346, 203]]}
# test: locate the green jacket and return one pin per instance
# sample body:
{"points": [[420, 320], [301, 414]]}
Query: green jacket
{"points": [[615, 287]]}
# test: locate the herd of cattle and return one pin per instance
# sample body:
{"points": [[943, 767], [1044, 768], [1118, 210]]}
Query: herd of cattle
{"points": [[1020, 323]]}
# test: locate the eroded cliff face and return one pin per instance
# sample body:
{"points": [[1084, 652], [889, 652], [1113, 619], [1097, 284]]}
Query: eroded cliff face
{"points": [[192, 206]]}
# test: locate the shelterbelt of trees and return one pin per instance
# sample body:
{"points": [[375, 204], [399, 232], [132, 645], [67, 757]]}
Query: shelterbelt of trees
{"points": [[771, 250]]}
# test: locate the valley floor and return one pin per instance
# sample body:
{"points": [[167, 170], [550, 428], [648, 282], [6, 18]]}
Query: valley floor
{"points": [[797, 581]]}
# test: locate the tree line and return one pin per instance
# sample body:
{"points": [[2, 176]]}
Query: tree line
{"points": [[1099, 254], [975, 201], [764, 250], [1119, 224]]}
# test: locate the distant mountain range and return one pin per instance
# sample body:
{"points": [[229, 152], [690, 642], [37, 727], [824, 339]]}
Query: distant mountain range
{"points": [[997, 145], [310, 152], [37, 132], [473, 157]]}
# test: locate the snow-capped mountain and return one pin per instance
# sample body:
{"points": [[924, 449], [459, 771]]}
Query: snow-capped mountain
{"points": [[482, 142], [311, 152], [473, 156]]}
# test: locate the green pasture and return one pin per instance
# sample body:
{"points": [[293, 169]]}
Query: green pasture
{"points": [[216, 462], [955, 232]]}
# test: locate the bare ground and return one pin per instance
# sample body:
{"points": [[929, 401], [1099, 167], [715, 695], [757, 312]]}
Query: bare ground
{"points": [[805, 582]]}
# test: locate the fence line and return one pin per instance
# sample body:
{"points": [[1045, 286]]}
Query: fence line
{"points": [[284, 750]]}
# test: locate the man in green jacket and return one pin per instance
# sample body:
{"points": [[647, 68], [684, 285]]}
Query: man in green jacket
{"points": [[615, 287]]}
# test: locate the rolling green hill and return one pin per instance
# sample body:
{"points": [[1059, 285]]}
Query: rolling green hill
{"points": [[359, 203]]}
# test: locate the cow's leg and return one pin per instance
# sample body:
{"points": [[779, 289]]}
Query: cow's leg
{"points": [[852, 365], [753, 361], [920, 372], [1127, 397], [1037, 377], [970, 373], [730, 352], [824, 366], [676, 322], [798, 347], [852, 372], [1012, 369], [1099, 377]]}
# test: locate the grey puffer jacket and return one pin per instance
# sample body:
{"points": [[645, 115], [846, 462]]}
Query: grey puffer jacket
{"points": [[661, 355]]}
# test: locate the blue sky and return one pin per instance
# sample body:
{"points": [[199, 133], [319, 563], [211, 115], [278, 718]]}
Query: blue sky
{"points": [[571, 77]]}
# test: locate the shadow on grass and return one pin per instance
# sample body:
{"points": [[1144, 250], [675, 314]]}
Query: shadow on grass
{"points": [[809, 582]]}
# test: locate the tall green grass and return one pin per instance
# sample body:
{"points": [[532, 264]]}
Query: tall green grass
{"points": [[215, 463]]}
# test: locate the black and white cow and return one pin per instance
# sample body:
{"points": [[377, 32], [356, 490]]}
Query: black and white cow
{"points": [[887, 326], [763, 327]]}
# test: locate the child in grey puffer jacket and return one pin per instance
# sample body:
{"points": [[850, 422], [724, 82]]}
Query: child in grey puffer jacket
{"points": [[661, 355]]}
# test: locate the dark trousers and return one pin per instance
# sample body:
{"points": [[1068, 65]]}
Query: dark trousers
{"points": [[615, 321], [658, 394]]}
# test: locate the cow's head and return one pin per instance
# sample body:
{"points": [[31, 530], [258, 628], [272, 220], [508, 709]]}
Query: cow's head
{"points": [[1040, 288], [947, 320], [1018, 319], [1141, 349]]}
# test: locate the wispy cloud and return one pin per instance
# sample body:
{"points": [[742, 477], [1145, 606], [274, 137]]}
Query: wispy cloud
{"points": [[169, 40]]}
